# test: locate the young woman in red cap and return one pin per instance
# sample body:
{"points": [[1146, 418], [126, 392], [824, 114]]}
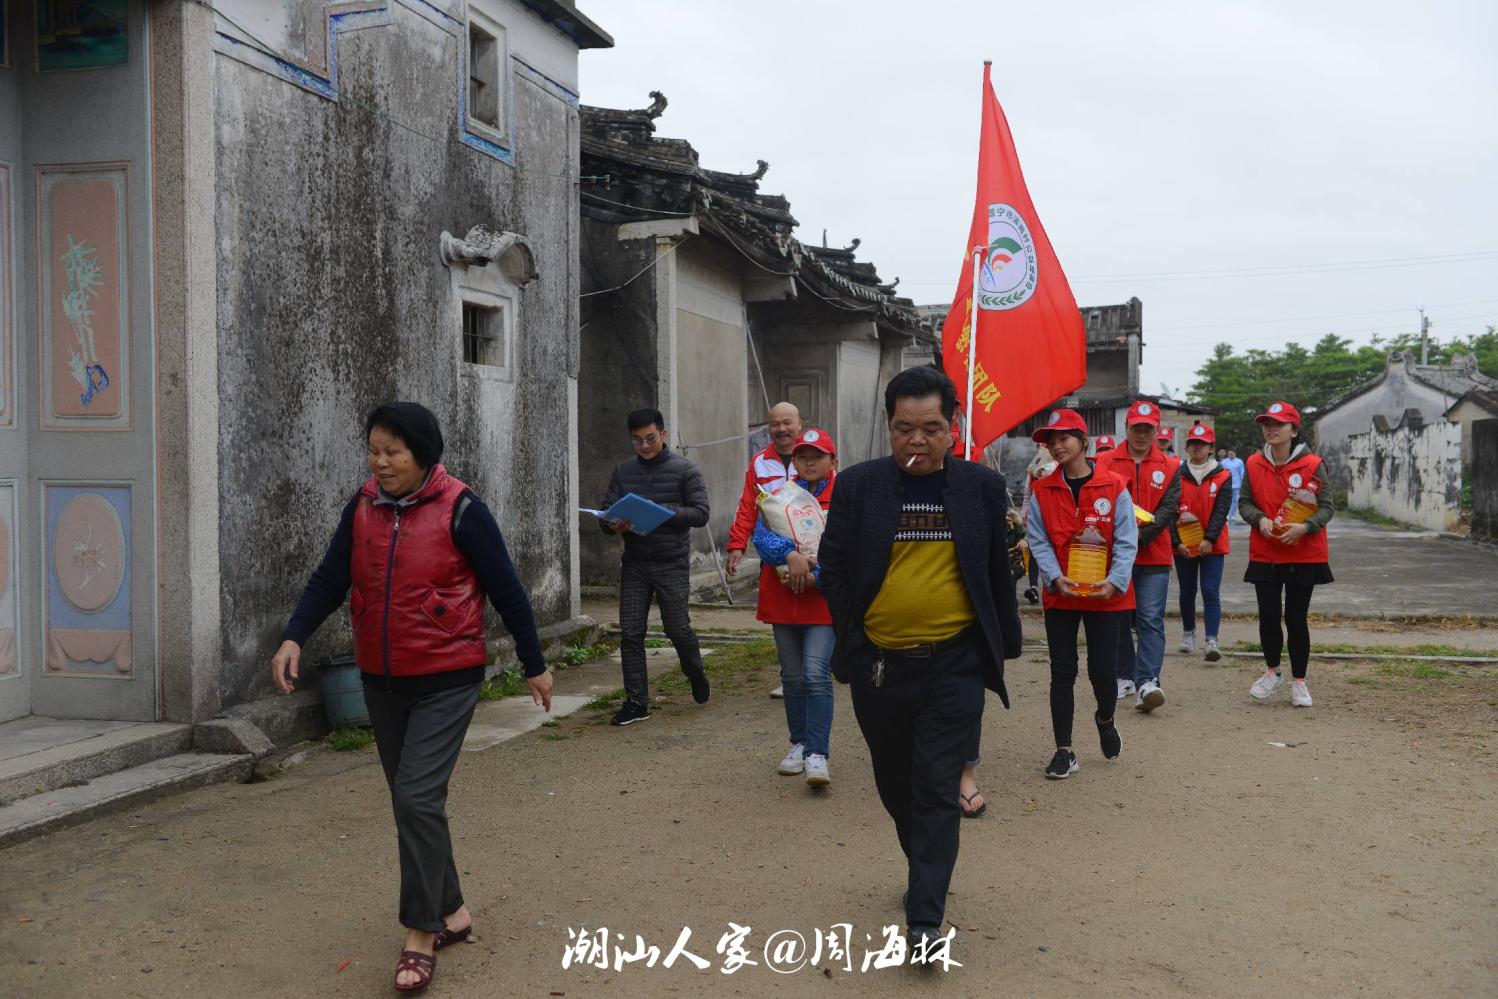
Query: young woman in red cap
{"points": [[797, 613], [1287, 500], [1082, 534], [1102, 444], [1200, 537]]}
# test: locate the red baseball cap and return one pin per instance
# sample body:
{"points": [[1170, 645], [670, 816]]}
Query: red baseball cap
{"points": [[1166, 434], [1202, 433], [1143, 411], [1060, 419], [821, 440], [1279, 412], [1104, 443]]}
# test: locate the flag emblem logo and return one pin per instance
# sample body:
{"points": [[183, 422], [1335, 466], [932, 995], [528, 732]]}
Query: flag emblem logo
{"points": [[1055, 419], [1102, 506], [1008, 275], [1296, 481], [1158, 477]]}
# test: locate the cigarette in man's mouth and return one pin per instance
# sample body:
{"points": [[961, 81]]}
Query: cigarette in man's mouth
{"points": [[911, 460]]}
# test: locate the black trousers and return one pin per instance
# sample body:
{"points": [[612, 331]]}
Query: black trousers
{"points": [[1297, 627], [921, 727], [669, 584], [419, 737], [1103, 629]]}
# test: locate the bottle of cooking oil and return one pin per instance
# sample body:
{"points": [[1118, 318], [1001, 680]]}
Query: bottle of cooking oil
{"points": [[1299, 505], [1189, 528], [1087, 560]]}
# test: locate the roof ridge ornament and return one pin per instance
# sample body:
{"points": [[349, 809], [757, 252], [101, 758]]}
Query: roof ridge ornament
{"points": [[657, 106]]}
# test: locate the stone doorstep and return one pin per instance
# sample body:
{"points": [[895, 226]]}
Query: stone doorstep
{"points": [[68, 762], [45, 813]]}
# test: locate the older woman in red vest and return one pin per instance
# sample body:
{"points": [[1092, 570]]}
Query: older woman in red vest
{"points": [[1080, 525], [421, 553], [1287, 500]]}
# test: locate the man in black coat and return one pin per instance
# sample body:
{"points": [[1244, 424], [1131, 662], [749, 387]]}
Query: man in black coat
{"points": [[656, 565], [915, 569]]}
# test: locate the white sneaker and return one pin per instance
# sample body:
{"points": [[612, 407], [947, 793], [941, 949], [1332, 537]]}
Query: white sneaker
{"points": [[779, 694], [1300, 694], [1125, 688], [1188, 642], [1266, 685], [1213, 654], [1149, 698], [816, 770], [794, 762]]}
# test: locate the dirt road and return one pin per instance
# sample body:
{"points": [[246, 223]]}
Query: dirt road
{"points": [[1361, 859]]}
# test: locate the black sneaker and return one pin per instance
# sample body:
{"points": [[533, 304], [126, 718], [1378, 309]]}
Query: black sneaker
{"points": [[1062, 765], [700, 688], [1108, 738], [630, 713], [1032, 595], [924, 944]]}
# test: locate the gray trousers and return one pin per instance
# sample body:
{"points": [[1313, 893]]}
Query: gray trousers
{"points": [[419, 737], [669, 583]]}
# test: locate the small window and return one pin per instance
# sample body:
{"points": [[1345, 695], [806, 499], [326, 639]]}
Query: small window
{"points": [[483, 335], [484, 98]]}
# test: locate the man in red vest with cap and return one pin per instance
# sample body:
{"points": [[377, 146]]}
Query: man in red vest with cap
{"points": [[1155, 486]]}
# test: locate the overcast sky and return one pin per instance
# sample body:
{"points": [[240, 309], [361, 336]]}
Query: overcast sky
{"points": [[1277, 141]]}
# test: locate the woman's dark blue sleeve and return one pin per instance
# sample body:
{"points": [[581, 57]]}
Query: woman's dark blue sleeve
{"points": [[330, 582], [477, 536]]}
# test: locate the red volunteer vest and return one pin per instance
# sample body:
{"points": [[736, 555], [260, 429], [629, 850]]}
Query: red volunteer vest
{"points": [[1201, 500], [1147, 481], [777, 604], [417, 606], [1065, 516], [1269, 485]]}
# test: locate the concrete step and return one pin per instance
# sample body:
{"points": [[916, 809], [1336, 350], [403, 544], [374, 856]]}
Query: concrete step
{"points": [[57, 809], [44, 754]]}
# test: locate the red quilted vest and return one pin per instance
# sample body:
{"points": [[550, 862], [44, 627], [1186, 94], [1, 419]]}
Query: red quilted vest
{"points": [[777, 604], [1201, 499], [417, 605], [1269, 485], [1064, 516]]}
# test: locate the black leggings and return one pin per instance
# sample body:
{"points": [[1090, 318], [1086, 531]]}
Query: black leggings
{"points": [[1297, 606], [1103, 629]]}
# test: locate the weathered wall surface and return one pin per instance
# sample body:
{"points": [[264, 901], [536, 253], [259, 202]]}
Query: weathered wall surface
{"points": [[620, 371], [1485, 478], [1414, 476], [1390, 398], [712, 392], [332, 299]]}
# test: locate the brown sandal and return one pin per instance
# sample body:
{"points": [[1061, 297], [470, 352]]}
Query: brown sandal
{"points": [[450, 936], [424, 965]]}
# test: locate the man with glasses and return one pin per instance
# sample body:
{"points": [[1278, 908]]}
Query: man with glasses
{"points": [[657, 565]]}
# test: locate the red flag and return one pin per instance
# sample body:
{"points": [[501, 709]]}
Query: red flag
{"points": [[1031, 347]]}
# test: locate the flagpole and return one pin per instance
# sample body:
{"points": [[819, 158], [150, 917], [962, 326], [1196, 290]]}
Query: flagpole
{"points": [[972, 353]]}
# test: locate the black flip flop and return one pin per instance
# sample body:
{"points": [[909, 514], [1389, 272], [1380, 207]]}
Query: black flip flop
{"points": [[968, 798]]}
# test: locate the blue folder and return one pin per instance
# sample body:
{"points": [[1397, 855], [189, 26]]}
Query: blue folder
{"points": [[643, 515]]}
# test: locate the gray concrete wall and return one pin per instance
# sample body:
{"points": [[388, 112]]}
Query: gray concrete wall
{"points": [[1390, 398], [1485, 478], [860, 434], [332, 299], [1414, 476], [619, 373]]}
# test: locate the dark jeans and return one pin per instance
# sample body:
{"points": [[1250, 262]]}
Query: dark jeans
{"points": [[1102, 628], [1208, 570], [921, 727], [1297, 607], [669, 584], [419, 736]]}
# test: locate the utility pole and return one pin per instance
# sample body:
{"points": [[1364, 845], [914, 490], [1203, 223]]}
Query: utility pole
{"points": [[1424, 338]]}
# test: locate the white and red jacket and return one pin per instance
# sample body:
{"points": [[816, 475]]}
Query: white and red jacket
{"points": [[767, 470]]}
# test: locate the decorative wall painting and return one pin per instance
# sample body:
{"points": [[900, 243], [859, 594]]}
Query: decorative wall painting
{"points": [[81, 34], [83, 298], [8, 661], [87, 556]]}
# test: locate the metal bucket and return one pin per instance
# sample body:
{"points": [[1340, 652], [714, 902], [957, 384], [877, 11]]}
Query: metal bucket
{"points": [[342, 692]]}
